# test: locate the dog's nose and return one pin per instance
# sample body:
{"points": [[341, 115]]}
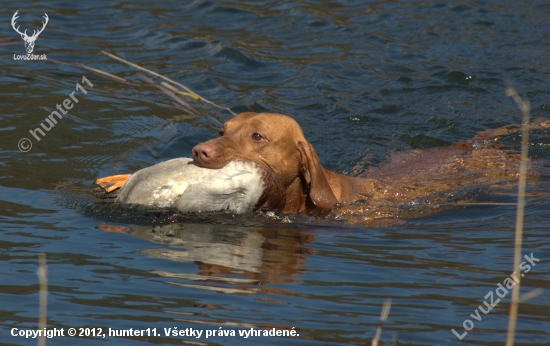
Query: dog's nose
{"points": [[203, 152]]}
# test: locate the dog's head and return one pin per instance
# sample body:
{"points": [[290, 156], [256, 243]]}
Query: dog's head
{"points": [[276, 142]]}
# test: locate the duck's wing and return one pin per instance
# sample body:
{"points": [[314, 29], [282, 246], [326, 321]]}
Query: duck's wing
{"points": [[108, 187]]}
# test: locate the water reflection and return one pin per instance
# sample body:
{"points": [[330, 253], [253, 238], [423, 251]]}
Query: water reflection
{"points": [[245, 257]]}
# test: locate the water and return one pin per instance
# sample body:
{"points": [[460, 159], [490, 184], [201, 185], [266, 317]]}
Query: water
{"points": [[364, 79]]}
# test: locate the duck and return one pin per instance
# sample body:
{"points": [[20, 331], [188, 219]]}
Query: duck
{"points": [[240, 186]]}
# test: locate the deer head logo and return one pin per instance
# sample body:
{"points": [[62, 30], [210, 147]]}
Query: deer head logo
{"points": [[29, 40]]}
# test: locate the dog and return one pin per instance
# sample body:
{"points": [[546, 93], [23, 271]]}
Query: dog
{"points": [[277, 143]]}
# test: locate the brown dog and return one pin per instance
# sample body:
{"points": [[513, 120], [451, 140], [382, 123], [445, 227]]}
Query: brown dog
{"points": [[276, 141], [425, 177]]}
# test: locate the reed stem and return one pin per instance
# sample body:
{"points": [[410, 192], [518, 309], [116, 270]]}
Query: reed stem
{"points": [[42, 273], [525, 109]]}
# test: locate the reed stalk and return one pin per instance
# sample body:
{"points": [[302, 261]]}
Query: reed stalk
{"points": [[383, 317], [42, 273], [525, 109], [168, 80]]}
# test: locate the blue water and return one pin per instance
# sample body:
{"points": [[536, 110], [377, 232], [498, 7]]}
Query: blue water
{"points": [[364, 79]]}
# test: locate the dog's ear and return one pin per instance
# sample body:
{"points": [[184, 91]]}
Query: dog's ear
{"points": [[316, 183]]}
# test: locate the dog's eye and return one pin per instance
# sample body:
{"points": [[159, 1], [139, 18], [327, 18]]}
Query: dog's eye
{"points": [[257, 137], [221, 133]]}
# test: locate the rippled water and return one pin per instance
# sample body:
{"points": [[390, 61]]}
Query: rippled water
{"points": [[365, 80]]}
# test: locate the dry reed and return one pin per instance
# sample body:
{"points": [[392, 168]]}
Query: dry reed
{"points": [[525, 109], [383, 317], [42, 273], [168, 80]]}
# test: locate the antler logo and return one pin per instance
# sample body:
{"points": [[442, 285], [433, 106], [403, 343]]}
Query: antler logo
{"points": [[29, 40]]}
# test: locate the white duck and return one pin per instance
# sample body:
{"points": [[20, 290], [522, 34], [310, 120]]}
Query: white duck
{"points": [[239, 186]]}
